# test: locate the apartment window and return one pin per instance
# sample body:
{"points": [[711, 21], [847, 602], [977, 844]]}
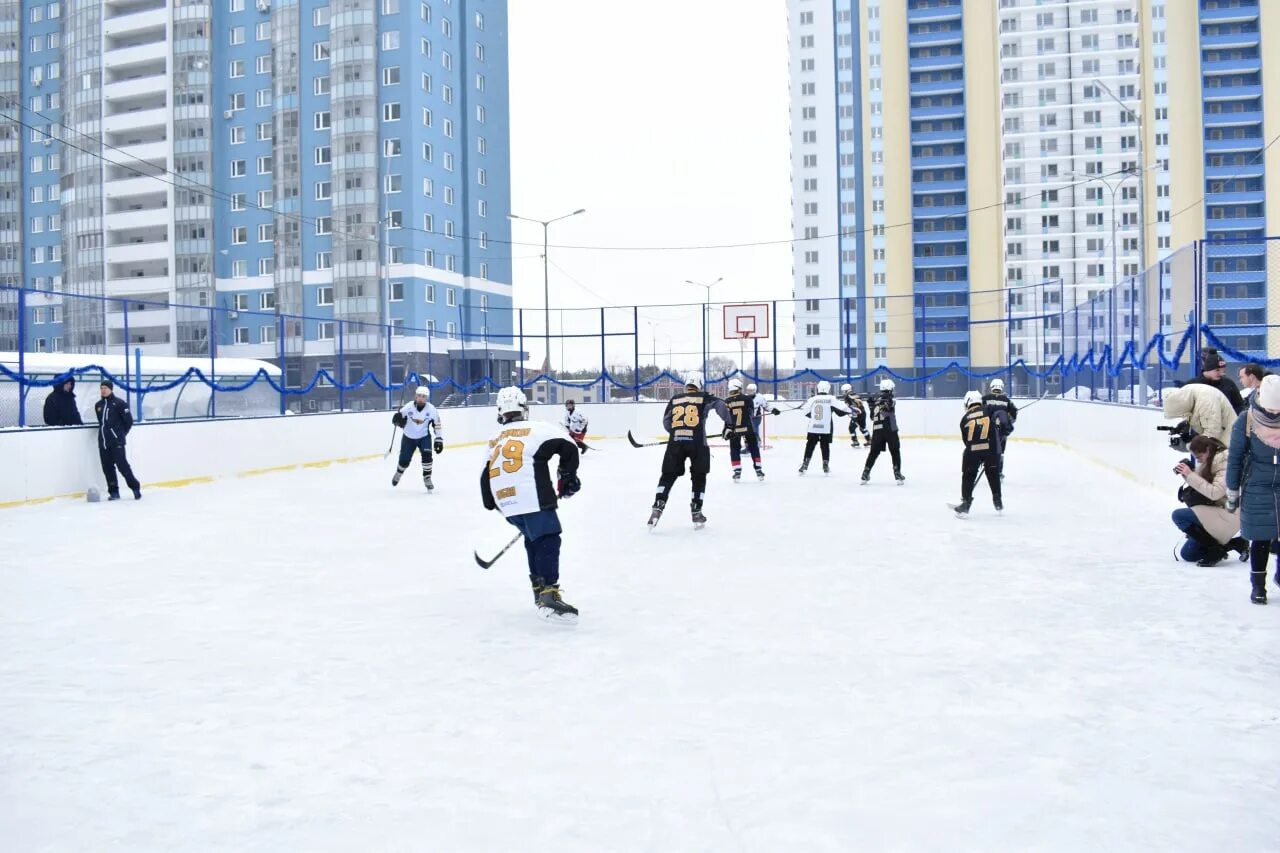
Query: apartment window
{"points": [[264, 131], [479, 82], [267, 266], [424, 47], [391, 76], [324, 225], [426, 119], [448, 195], [237, 135], [238, 168], [391, 148], [236, 101], [324, 190], [392, 183], [324, 155], [236, 68], [446, 28], [237, 202], [479, 52], [320, 85], [324, 330], [323, 120], [482, 208], [240, 235], [267, 334], [264, 165], [431, 293], [263, 98], [391, 40], [450, 297], [320, 51], [395, 219], [262, 64], [390, 7], [426, 82], [391, 111], [262, 31], [241, 334], [237, 35], [266, 232], [240, 269], [482, 177], [813, 353], [397, 291], [324, 261], [428, 188]]}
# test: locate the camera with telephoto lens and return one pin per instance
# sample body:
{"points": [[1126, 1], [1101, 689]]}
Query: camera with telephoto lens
{"points": [[1180, 436]]}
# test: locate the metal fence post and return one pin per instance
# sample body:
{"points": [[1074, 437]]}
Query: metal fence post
{"points": [[213, 362], [137, 376], [128, 395], [388, 373], [1093, 351], [520, 352], [22, 362], [635, 337], [1008, 337], [340, 379], [284, 367], [604, 382], [924, 344], [774, 327]]}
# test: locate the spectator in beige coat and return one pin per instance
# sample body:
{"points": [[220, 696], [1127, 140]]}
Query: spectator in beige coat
{"points": [[1205, 409], [1210, 529]]}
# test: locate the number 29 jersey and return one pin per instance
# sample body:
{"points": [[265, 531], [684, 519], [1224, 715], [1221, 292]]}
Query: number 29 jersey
{"points": [[517, 478], [685, 419]]}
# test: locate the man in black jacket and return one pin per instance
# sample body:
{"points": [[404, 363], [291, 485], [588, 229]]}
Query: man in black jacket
{"points": [[1213, 372], [114, 423], [60, 407]]}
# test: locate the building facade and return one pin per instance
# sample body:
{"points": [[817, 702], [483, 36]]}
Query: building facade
{"points": [[1048, 151], [229, 166]]}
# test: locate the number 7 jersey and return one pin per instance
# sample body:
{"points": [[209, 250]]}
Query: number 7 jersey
{"points": [[517, 477]]}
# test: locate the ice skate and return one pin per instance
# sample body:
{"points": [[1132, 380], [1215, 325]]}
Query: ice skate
{"points": [[658, 506], [395, 478], [737, 475], [553, 608], [999, 507], [897, 475], [699, 520], [961, 509], [866, 476], [426, 481], [826, 468], [759, 473], [804, 466]]}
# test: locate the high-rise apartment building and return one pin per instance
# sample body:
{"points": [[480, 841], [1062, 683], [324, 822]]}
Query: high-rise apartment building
{"points": [[1019, 142], [348, 161]]}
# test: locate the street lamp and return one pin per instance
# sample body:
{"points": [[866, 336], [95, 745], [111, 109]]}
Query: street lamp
{"points": [[706, 322], [546, 286], [1142, 189]]}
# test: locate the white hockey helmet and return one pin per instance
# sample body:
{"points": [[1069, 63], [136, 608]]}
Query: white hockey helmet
{"points": [[512, 400], [972, 398], [997, 384], [735, 384], [751, 389], [694, 380], [887, 385], [423, 391], [846, 388], [824, 387]]}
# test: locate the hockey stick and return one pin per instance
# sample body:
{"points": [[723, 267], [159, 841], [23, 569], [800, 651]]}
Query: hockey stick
{"points": [[484, 564], [392, 445], [631, 438]]}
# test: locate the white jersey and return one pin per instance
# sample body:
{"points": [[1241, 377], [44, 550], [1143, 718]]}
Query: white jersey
{"points": [[759, 405], [518, 474], [575, 421], [820, 410], [418, 422]]}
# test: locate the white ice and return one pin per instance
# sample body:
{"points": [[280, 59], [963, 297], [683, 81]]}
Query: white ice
{"points": [[313, 661]]}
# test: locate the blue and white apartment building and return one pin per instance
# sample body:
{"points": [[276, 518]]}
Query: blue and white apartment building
{"points": [[343, 160]]}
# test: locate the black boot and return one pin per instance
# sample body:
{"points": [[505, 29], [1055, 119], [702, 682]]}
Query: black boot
{"points": [[1213, 551], [1259, 593], [1241, 546]]}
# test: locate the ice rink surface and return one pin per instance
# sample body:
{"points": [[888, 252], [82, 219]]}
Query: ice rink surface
{"points": [[313, 661]]}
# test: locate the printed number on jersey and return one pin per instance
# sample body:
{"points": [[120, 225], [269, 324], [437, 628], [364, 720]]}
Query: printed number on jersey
{"points": [[973, 426], [685, 416], [507, 458]]}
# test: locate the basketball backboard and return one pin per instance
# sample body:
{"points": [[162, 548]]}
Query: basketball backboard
{"points": [[746, 321]]}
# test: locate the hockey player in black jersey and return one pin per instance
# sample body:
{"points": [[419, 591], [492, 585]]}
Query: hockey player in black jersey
{"points": [[742, 429], [857, 415], [685, 421], [980, 432], [884, 432], [995, 403]]}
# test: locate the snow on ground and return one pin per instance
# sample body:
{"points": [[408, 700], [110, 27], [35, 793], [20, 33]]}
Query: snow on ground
{"points": [[312, 661]]}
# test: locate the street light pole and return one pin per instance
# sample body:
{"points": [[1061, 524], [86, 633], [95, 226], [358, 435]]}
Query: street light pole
{"points": [[1142, 187], [546, 273], [706, 321]]}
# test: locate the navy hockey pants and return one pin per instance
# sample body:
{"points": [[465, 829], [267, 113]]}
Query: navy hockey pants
{"points": [[541, 532], [408, 445]]}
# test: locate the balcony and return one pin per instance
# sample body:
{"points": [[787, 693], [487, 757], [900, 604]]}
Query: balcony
{"points": [[128, 187], [127, 253], [135, 54], [960, 286], [1244, 223], [148, 19], [956, 210], [942, 312], [938, 261], [141, 318], [919, 15], [929, 187], [1229, 15], [1236, 250], [137, 155], [1250, 143], [1231, 40], [156, 217], [1253, 170], [955, 161], [937, 87], [143, 85], [1248, 117], [1231, 93], [922, 137], [923, 63], [933, 238], [138, 285], [934, 39], [1253, 197], [119, 122], [952, 111], [1229, 304], [1230, 66]]}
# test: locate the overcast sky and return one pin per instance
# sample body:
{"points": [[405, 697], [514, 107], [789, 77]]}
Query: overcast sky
{"points": [[668, 122]]}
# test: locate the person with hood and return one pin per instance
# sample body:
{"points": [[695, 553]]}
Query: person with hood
{"points": [[60, 407], [1209, 528], [1253, 480], [1204, 408], [114, 422], [1213, 372]]}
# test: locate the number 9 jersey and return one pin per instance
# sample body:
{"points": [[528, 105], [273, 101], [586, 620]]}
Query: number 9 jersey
{"points": [[517, 478]]}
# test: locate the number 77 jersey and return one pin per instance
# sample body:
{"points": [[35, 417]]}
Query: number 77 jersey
{"points": [[978, 432]]}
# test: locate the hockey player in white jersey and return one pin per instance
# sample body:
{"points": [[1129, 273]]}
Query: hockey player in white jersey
{"points": [[575, 422], [759, 408], [517, 482], [418, 420], [821, 410]]}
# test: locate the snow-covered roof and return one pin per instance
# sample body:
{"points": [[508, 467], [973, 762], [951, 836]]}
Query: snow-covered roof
{"points": [[57, 363]]}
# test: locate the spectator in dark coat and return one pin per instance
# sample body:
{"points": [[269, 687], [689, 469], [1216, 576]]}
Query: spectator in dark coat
{"points": [[1213, 372], [114, 423], [60, 407], [1253, 479]]}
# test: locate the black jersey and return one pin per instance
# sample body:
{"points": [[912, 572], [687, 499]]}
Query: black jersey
{"points": [[741, 410], [883, 412], [997, 405], [685, 419], [853, 404], [978, 431]]}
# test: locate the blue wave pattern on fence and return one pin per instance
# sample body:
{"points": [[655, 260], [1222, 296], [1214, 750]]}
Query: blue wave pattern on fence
{"points": [[1102, 360]]}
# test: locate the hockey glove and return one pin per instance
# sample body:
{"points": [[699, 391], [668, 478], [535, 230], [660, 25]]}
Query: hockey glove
{"points": [[774, 412], [728, 433], [399, 419], [1233, 500], [569, 485], [438, 446]]}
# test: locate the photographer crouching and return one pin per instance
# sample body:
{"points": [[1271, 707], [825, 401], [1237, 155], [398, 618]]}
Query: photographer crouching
{"points": [[1211, 529], [1203, 409]]}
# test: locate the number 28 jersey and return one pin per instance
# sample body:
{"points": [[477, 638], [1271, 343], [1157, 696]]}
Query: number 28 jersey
{"points": [[517, 478], [686, 416]]}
